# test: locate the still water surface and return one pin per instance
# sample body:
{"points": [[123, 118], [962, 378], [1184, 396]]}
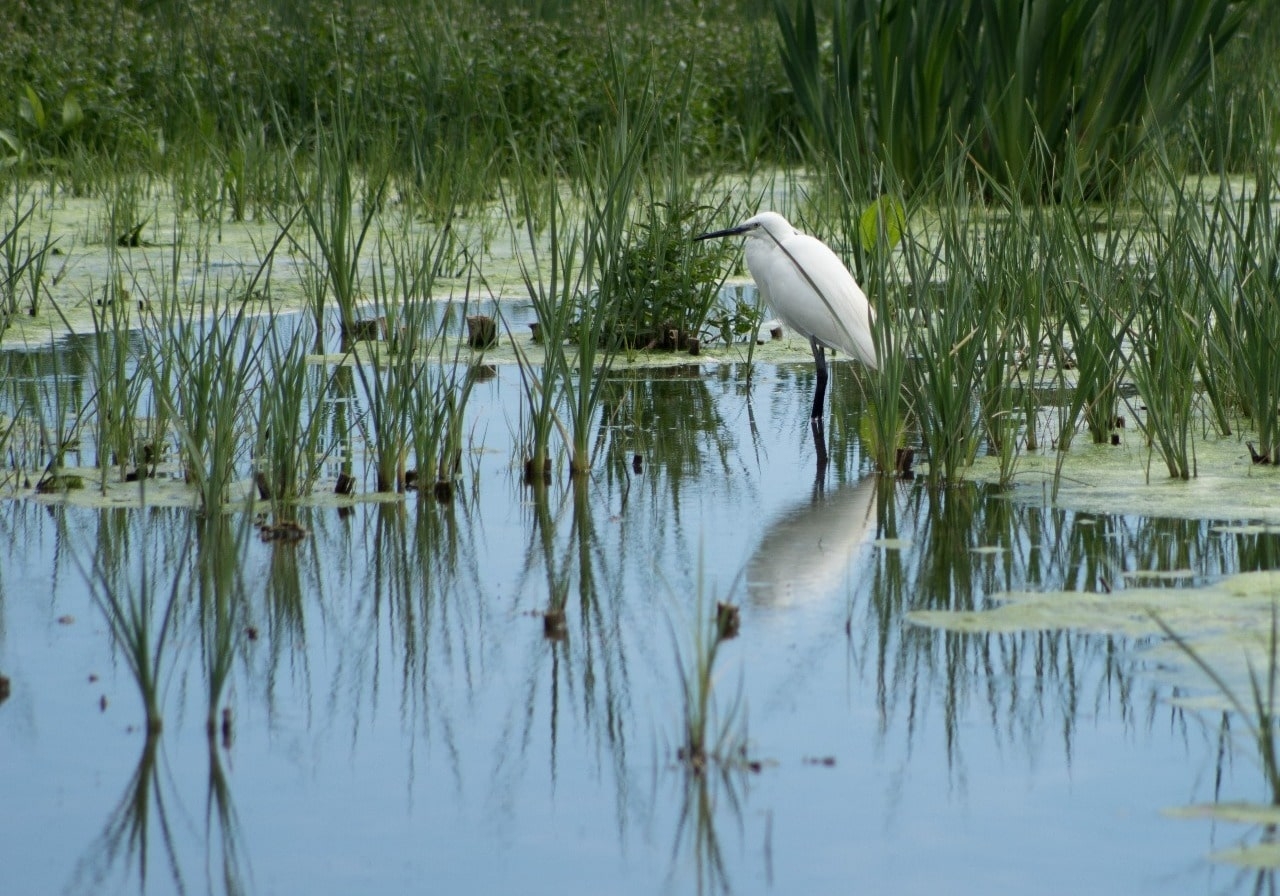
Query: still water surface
{"points": [[399, 722]]}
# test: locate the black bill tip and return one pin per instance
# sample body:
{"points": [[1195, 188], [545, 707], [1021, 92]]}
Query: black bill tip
{"points": [[732, 231]]}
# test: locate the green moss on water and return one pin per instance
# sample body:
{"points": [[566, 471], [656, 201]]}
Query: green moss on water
{"points": [[1127, 479]]}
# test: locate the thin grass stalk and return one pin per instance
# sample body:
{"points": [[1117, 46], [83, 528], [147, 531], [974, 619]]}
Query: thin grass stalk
{"points": [[554, 293], [1258, 711]]}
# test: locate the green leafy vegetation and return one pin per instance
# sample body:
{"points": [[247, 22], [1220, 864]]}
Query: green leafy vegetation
{"points": [[155, 81]]}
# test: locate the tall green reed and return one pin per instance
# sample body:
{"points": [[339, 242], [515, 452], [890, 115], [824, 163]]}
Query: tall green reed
{"points": [[904, 82]]}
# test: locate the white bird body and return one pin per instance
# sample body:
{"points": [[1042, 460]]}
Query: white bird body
{"points": [[811, 291], [808, 287]]}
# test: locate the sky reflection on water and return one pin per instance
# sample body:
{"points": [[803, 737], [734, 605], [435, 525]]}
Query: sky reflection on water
{"points": [[399, 721]]}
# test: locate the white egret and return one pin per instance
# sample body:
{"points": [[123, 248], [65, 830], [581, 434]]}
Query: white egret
{"points": [[810, 289]]}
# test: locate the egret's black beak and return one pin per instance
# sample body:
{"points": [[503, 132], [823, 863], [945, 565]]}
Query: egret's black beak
{"points": [[732, 231]]}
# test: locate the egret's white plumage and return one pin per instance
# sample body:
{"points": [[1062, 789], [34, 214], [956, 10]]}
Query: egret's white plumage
{"points": [[810, 289]]}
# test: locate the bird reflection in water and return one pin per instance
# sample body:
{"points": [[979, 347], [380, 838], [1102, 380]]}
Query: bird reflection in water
{"points": [[804, 554]]}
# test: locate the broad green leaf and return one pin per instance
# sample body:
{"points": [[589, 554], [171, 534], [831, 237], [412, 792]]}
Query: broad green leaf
{"points": [[32, 110], [72, 114], [884, 215]]}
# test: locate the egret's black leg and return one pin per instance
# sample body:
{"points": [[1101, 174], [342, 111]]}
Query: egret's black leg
{"points": [[819, 447], [820, 361]]}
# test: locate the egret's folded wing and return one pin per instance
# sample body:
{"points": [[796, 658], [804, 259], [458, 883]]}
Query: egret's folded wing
{"points": [[829, 304]]}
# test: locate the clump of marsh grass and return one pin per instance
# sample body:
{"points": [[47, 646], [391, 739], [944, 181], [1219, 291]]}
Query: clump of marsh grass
{"points": [[1092, 308], [1163, 361], [665, 284], [417, 389], [291, 446], [1232, 242], [204, 349], [115, 394], [337, 223], [389, 381], [948, 343], [438, 419], [255, 174], [23, 259], [107, 353]]}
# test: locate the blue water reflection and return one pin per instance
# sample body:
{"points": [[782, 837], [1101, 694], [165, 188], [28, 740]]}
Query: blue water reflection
{"points": [[398, 720]]}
